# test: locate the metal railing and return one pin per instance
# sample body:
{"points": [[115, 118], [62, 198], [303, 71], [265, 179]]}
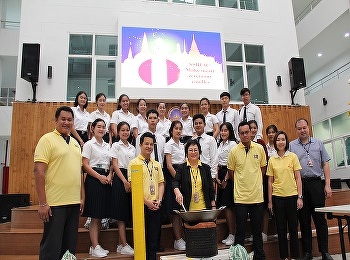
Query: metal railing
{"points": [[307, 10], [5, 24], [320, 83]]}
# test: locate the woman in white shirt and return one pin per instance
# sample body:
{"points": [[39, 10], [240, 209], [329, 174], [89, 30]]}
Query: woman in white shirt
{"points": [[81, 118], [123, 114], [174, 152], [141, 124], [101, 113], [164, 123], [211, 121], [224, 193], [96, 163], [122, 152]]}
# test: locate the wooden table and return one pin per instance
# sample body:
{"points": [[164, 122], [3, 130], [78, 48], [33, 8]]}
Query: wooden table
{"points": [[339, 212]]}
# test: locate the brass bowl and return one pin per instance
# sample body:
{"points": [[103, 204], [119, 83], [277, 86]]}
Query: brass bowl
{"points": [[204, 215]]}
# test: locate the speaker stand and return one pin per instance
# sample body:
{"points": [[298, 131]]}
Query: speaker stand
{"points": [[34, 85], [293, 92]]}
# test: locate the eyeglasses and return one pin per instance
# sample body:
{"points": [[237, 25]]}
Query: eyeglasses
{"points": [[193, 150], [244, 133]]}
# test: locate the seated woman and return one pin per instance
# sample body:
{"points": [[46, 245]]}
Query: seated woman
{"points": [[193, 185]]}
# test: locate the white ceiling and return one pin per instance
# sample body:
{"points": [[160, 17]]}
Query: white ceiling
{"points": [[331, 41]]}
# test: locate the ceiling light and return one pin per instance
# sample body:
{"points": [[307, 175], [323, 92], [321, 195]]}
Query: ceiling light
{"points": [[346, 35], [319, 55]]}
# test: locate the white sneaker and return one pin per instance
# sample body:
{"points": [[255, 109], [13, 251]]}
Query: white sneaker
{"points": [[119, 248], [91, 248], [127, 250], [224, 240], [87, 223], [180, 244], [264, 237], [99, 252], [230, 240]]}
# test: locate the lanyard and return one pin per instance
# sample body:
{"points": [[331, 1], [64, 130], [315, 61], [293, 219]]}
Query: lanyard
{"points": [[150, 171]]}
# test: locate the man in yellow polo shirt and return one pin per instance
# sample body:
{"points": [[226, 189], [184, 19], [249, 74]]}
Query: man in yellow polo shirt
{"points": [[59, 186], [247, 165], [153, 191]]}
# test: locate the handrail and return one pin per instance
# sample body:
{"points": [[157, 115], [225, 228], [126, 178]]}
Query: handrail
{"points": [[328, 77], [6, 24], [306, 11]]}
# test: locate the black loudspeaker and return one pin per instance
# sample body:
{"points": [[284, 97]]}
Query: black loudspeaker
{"points": [[49, 72], [296, 73], [9, 201], [30, 62]]}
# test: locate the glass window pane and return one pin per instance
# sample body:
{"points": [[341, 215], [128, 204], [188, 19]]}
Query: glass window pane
{"points": [[257, 84], [105, 77], [79, 77], [340, 124], [347, 148], [184, 1], [233, 52], [4, 92], [12, 92], [205, 2], [339, 154], [249, 4], [106, 45], [228, 3], [328, 147], [321, 130], [254, 53], [80, 44], [235, 81]]}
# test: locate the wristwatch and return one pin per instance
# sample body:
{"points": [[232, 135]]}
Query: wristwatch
{"points": [[300, 197]]}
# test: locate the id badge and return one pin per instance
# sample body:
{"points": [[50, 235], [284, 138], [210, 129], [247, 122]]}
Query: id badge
{"points": [[152, 189], [196, 197], [309, 162]]}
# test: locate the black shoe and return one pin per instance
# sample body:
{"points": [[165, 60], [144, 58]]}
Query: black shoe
{"points": [[327, 256], [160, 249], [307, 256]]}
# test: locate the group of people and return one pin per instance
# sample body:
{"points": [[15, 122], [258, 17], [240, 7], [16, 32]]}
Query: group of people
{"points": [[200, 162]]}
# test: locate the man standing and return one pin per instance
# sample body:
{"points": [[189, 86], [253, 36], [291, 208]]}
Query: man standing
{"points": [[208, 144], [153, 191], [250, 111], [246, 166], [152, 117], [227, 114], [314, 161], [59, 186]]}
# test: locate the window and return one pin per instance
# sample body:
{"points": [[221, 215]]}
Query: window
{"points": [[228, 3], [246, 67], [92, 65], [249, 4], [334, 132]]}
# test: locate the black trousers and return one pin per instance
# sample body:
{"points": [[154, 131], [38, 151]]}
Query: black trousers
{"points": [[60, 233], [314, 197], [153, 226], [255, 212], [286, 214]]}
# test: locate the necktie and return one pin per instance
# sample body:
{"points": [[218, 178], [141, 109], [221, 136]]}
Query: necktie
{"points": [[245, 114], [199, 137], [155, 149], [224, 119]]}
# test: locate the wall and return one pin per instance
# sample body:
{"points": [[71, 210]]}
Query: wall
{"points": [[50, 22]]}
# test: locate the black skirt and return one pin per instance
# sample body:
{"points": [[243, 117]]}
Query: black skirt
{"points": [[97, 197], [121, 200], [169, 202], [225, 196]]}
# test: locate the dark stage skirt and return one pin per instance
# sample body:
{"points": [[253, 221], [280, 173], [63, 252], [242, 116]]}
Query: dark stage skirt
{"points": [[97, 196], [83, 135], [225, 196], [169, 202], [121, 200]]}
